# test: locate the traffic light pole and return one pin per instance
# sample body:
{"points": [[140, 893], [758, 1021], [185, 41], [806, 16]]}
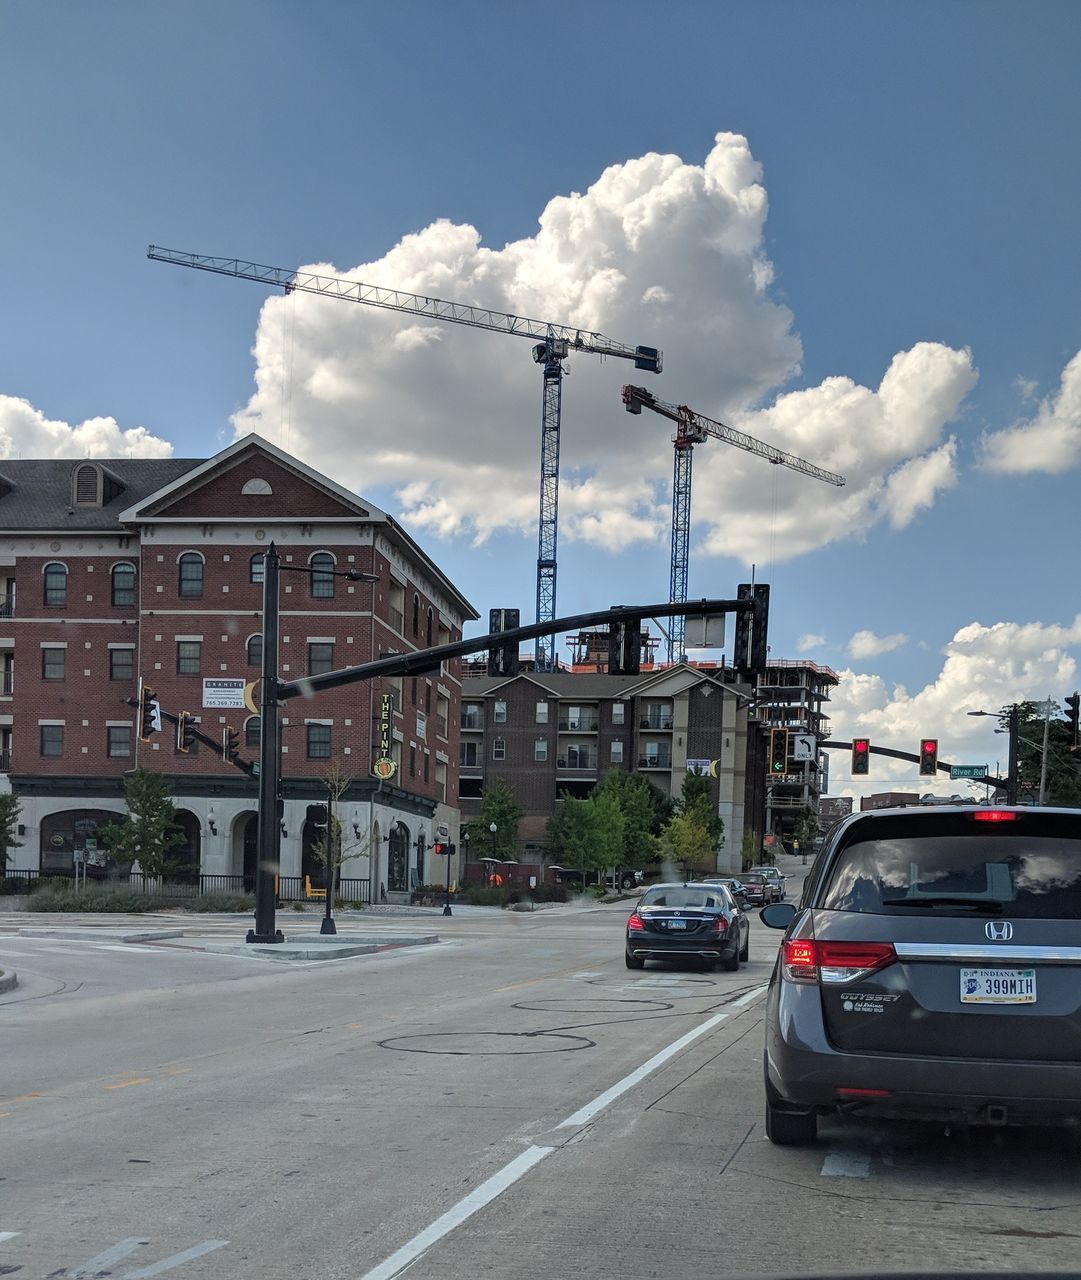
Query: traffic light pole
{"points": [[267, 841]]}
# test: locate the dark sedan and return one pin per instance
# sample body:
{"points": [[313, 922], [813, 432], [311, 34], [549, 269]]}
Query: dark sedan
{"points": [[688, 922], [757, 888]]}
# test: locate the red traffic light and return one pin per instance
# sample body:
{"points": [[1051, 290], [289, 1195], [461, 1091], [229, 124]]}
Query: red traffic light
{"points": [[929, 744], [861, 755], [861, 745], [928, 757]]}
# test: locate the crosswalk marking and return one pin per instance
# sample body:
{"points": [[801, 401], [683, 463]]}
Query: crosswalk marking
{"points": [[114, 1253], [7, 1235]]}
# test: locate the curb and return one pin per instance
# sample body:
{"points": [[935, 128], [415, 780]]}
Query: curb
{"points": [[8, 980], [100, 932]]}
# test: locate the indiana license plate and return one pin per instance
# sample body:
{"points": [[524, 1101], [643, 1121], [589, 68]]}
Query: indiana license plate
{"points": [[998, 986]]}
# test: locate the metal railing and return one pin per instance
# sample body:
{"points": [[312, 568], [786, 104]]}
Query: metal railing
{"points": [[579, 724], [290, 888], [577, 762], [7, 606], [5, 761], [655, 722], [654, 762], [474, 723], [7, 682]]}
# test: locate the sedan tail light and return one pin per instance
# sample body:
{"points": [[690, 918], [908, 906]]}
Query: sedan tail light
{"points": [[807, 960], [720, 925], [634, 921]]}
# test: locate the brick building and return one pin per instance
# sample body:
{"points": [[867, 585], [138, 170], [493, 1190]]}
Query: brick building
{"points": [[550, 734], [112, 569]]}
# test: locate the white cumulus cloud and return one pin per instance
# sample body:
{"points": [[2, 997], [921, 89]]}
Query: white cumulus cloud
{"points": [[25, 432], [865, 644], [658, 251], [809, 642], [1050, 441]]}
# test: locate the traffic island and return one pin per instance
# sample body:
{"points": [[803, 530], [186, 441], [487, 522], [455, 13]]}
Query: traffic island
{"points": [[9, 980]]}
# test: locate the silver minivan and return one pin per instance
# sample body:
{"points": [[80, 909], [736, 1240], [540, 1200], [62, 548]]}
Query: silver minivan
{"points": [[931, 970]]}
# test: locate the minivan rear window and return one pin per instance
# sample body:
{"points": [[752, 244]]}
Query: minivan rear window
{"points": [[1030, 869]]}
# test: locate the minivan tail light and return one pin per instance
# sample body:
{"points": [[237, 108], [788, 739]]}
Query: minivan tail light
{"points": [[993, 815], [808, 960]]}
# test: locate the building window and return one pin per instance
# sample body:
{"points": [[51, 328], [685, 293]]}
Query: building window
{"points": [[540, 749], [121, 664], [469, 754], [412, 761], [617, 712], [617, 752], [119, 741], [256, 567], [320, 657], [321, 576], [56, 584], [427, 759], [319, 742], [542, 713], [500, 714], [430, 624], [52, 739], [427, 697], [499, 748], [416, 615], [255, 651], [471, 715], [189, 657], [52, 664], [191, 576], [123, 584], [253, 732]]}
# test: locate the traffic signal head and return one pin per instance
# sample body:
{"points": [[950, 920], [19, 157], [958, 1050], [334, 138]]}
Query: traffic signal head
{"points": [[230, 744], [440, 847], [861, 755], [928, 757], [185, 731], [778, 751], [1073, 703], [149, 713]]}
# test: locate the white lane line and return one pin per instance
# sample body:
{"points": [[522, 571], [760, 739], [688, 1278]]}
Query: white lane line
{"points": [[465, 1208], [628, 1082], [846, 1164], [128, 946], [520, 1166], [167, 1264], [7, 1235], [113, 1254], [748, 996]]}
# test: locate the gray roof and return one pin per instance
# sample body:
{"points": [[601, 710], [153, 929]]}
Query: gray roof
{"points": [[563, 684], [40, 493]]}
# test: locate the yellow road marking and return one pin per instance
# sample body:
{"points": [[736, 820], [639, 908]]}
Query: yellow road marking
{"points": [[126, 1084]]}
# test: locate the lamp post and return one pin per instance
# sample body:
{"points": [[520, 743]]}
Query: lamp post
{"points": [[465, 843], [1013, 723], [493, 828], [327, 924]]}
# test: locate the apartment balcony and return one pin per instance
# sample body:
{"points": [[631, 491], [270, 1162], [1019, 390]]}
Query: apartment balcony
{"points": [[472, 724], [7, 683], [579, 724], [5, 761], [655, 762], [7, 606], [581, 763], [656, 722]]}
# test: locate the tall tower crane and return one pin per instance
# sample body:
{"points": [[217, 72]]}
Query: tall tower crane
{"points": [[691, 429], [554, 343]]}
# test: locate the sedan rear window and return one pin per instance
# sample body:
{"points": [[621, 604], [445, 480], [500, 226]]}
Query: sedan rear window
{"points": [[1029, 868], [681, 898]]}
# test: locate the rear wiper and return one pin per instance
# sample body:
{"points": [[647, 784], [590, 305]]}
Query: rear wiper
{"points": [[944, 900]]}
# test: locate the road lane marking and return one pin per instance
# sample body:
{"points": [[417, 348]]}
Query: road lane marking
{"points": [[113, 1254], [126, 1084], [602, 1100], [167, 1264], [520, 1165], [454, 1217], [748, 996], [846, 1164]]}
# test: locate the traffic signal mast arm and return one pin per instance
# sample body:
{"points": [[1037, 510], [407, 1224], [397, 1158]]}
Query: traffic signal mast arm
{"points": [[695, 428], [245, 766], [373, 295]]}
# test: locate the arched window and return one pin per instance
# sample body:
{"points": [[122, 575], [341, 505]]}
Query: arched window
{"points": [[253, 733], [256, 567], [123, 582], [321, 566], [56, 584], [429, 626], [255, 651], [416, 615], [257, 486], [191, 576]]}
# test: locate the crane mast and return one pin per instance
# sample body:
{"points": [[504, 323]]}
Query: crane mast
{"points": [[691, 429], [554, 343]]}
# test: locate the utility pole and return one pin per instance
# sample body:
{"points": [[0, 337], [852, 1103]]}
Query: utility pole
{"points": [[1014, 725], [268, 844]]}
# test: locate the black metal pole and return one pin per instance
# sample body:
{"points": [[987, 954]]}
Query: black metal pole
{"points": [[1014, 724], [327, 925], [269, 832], [446, 905]]}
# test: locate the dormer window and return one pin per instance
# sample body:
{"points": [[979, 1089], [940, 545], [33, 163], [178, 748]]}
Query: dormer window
{"points": [[87, 483]]}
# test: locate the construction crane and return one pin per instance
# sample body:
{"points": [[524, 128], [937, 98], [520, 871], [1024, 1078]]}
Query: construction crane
{"points": [[554, 343], [691, 429]]}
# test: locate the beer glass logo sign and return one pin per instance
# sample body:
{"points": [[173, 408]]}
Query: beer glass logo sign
{"points": [[383, 767]]}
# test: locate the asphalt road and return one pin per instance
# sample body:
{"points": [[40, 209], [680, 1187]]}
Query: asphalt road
{"points": [[512, 1099]]}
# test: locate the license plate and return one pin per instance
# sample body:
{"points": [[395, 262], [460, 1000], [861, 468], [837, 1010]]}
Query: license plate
{"points": [[998, 986], [677, 924]]}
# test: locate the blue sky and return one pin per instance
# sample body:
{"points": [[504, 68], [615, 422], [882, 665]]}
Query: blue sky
{"points": [[896, 181]]}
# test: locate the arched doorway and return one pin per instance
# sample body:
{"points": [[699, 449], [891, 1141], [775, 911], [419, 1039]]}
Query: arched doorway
{"points": [[185, 857], [245, 848], [398, 859], [310, 863]]}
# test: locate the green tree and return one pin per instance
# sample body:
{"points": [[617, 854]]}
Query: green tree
{"points": [[1063, 765], [691, 845], [497, 805], [336, 848], [585, 834], [147, 833], [806, 829], [645, 811], [697, 802], [10, 807]]}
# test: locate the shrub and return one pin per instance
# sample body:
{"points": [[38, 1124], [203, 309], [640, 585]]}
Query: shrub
{"points": [[60, 895]]}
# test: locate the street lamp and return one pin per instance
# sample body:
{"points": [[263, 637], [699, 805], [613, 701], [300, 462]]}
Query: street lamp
{"points": [[1013, 721], [493, 828]]}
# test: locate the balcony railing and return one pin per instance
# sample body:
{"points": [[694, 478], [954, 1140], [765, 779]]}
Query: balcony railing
{"points": [[577, 762], [7, 606], [654, 762], [579, 724], [473, 723], [5, 761], [7, 683], [655, 722]]}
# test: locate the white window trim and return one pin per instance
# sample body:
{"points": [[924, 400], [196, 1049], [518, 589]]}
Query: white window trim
{"points": [[54, 644], [120, 644], [188, 639]]}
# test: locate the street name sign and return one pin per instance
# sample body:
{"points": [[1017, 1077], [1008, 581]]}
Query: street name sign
{"points": [[968, 771]]}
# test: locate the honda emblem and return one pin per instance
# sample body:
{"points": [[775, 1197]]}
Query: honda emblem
{"points": [[998, 930]]}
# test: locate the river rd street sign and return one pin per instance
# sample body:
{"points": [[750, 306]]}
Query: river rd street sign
{"points": [[968, 771]]}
